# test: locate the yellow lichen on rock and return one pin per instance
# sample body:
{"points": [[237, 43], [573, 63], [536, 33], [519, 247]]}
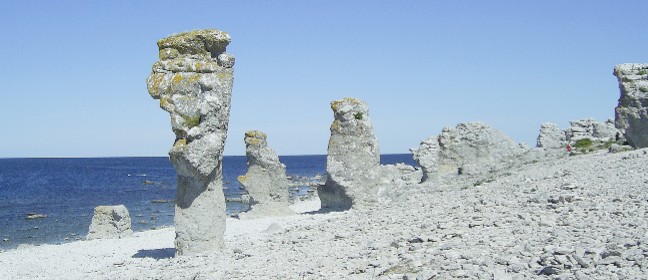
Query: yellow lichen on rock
{"points": [[335, 105], [154, 83], [192, 121], [168, 53], [198, 42], [254, 137], [177, 78], [180, 143]]}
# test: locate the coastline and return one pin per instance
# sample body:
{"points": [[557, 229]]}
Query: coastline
{"points": [[582, 217]]}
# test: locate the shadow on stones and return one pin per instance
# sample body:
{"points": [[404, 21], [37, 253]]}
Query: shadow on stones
{"points": [[324, 211], [157, 254]]}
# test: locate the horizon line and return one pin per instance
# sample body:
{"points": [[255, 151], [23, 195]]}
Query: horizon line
{"points": [[164, 156]]}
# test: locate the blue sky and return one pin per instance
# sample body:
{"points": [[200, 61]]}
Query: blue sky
{"points": [[73, 72]]}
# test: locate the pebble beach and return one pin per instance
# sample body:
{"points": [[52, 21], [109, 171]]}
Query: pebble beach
{"points": [[579, 217]]}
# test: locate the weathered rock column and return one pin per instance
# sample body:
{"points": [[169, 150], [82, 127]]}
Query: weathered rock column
{"points": [[193, 81], [632, 111], [265, 179], [353, 161]]}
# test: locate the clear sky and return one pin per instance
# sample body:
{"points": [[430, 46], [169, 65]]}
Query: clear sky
{"points": [[72, 73]]}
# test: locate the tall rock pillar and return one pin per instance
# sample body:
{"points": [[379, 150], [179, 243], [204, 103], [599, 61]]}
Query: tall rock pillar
{"points": [[265, 180], [193, 81], [353, 161], [632, 111]]}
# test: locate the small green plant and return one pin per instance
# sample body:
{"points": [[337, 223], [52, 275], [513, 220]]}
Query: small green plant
{"points": [[358, 116], [643, 89], [583, 144], [643, 72]]}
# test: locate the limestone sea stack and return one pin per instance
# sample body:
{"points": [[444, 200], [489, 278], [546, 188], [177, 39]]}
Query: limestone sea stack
{"points": [[110, 222], [632, 111], [353, 161], [265, 180], [193, 81]]}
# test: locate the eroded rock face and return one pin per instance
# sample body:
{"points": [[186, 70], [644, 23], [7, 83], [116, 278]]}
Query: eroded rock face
{"points": [[110, 222], [591, 129], [586, 135], [552, 143], [193, 81], [471, 148], [551, 137], [427, 157], [353, 161], [265, 180], [632, 111]]}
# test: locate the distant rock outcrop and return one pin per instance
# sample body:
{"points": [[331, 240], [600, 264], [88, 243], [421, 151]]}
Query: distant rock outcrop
{"points": [[193, 81], [265, 180], [632, 111], [110, 222], [551, 137], [353, 161], [583, 136], [471, 148]]}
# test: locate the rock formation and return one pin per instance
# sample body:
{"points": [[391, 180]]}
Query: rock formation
{"points": [[632, 111], [587, 135], [193, 81], [551, 137], [265, 180], [591, 129], [471, 148], [353, 161], [427, 157], [110, 222]]}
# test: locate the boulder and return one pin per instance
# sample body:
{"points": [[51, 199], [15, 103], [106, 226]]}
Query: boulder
{"points": [[110, 222], [471, 148], [193, 81], [353, 160], [632, 110], [265, 180]]}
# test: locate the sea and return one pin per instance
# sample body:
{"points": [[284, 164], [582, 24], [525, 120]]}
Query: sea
{"points": [[65, 191]]}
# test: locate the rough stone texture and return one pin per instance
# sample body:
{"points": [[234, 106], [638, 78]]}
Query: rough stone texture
{"points": [[471, 148], [551, 137], [193, 81], [587, 135], [552, 142], [265, 180], [632, 111], [427, 157], [353, 161], [591, 129], [110, 222]]}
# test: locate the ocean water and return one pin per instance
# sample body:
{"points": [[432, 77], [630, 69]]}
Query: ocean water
{"points": [[66, 190]]}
